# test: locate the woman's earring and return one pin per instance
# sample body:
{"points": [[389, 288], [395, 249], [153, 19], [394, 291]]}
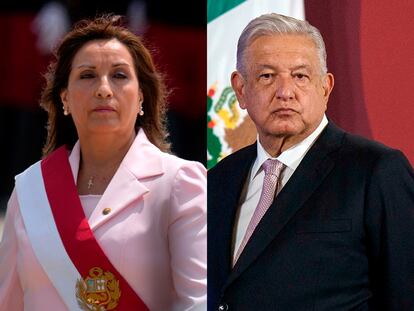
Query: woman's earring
{"points": [[141, 110], [65, 111]]}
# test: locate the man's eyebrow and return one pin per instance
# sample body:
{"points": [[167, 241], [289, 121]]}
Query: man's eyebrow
{"points": [[301, 66], [296, 67], [266, 66]]}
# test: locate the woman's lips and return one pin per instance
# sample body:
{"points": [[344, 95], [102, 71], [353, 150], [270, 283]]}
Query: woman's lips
{"points": [[104, 109]]}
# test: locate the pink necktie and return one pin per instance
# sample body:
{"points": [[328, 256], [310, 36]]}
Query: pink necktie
{"points": [[272, 169]]}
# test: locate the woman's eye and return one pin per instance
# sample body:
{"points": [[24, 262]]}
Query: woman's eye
{"points": [[120, 75], [87, 75]]}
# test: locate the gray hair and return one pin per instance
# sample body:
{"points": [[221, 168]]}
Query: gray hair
{"points": [[276, 24]]}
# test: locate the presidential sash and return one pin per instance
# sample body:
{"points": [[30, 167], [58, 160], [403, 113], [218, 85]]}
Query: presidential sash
{"points": [[64, 243]]}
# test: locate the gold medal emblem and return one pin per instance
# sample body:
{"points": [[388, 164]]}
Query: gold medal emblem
{"points": [[99, 291]]}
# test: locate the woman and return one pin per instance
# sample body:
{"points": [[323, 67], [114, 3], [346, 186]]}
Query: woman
{"points": [[109, 221]]}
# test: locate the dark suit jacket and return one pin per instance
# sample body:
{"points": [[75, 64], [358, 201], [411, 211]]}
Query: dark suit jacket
{"points": [[339, 236]]}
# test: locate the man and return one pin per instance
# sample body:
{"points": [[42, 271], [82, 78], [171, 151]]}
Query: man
{"points": [[332, 226]]}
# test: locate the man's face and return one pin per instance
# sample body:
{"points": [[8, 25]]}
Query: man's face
{"points": [[283, 88]]}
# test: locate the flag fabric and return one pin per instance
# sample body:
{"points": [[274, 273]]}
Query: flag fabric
{"points": [[228, 127]]}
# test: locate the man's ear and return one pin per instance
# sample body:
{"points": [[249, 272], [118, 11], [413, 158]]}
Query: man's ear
{"points": [[328, 85], [238, 83]]}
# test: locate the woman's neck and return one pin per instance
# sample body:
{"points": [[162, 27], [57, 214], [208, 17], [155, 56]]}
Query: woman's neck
{"points": [[100, 159]]}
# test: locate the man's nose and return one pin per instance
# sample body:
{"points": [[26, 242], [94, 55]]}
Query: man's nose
{"points": [[285, 88], [104, 89]]}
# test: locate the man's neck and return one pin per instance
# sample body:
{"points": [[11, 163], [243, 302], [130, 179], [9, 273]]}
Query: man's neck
{"points": [[276, 145]]}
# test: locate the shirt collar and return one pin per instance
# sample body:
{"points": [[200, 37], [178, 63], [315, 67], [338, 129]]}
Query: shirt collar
{"points": [[290, 157]]}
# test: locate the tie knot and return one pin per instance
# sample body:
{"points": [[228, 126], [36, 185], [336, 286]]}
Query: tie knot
{"points": [[272, 166]]}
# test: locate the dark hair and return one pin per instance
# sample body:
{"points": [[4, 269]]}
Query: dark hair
{"points": [[61, 129]]}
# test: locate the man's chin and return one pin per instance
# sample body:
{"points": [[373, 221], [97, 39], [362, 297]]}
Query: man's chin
{"points": [[284, 132]]}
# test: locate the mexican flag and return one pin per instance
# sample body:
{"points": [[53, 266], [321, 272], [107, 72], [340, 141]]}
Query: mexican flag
{"points": [[228, 127]]}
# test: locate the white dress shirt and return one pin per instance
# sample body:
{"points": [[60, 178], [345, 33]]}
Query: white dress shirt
{"points": [[291, 158]]}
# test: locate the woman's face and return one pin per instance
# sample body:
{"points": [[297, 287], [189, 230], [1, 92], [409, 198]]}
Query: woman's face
{"points": [[103, 93]]}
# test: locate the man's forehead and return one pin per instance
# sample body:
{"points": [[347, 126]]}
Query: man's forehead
{"points": [[275, 66], [282, 50], [282, 43]]}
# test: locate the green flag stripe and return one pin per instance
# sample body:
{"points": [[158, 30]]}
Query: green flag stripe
{"points": [[217, 7]]}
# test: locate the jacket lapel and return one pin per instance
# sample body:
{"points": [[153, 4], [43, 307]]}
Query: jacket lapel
{"points": [[141, 161], [314, 167], [232, 188]]}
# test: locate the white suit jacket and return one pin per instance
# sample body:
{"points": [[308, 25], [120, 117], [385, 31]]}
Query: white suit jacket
{"points": [[155, 235]]}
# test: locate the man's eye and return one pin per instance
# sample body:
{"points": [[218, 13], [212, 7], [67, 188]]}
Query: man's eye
{"points": [[266, 75], [300, 76]]}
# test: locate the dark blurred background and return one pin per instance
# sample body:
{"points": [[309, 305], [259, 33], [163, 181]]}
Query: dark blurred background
{"points": [[173, 31]]}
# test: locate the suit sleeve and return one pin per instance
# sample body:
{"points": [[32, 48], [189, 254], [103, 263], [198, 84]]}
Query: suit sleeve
{"points": [[390, 233], [188, 237], [11, 294]]}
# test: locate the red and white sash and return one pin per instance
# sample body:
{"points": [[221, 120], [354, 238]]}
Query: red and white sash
{"points": [[59, 231]]}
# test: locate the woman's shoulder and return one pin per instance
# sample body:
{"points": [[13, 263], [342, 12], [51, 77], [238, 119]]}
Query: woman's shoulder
{"points": [[176, 166], [175, 160], [27, 170], [145, 156]]}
